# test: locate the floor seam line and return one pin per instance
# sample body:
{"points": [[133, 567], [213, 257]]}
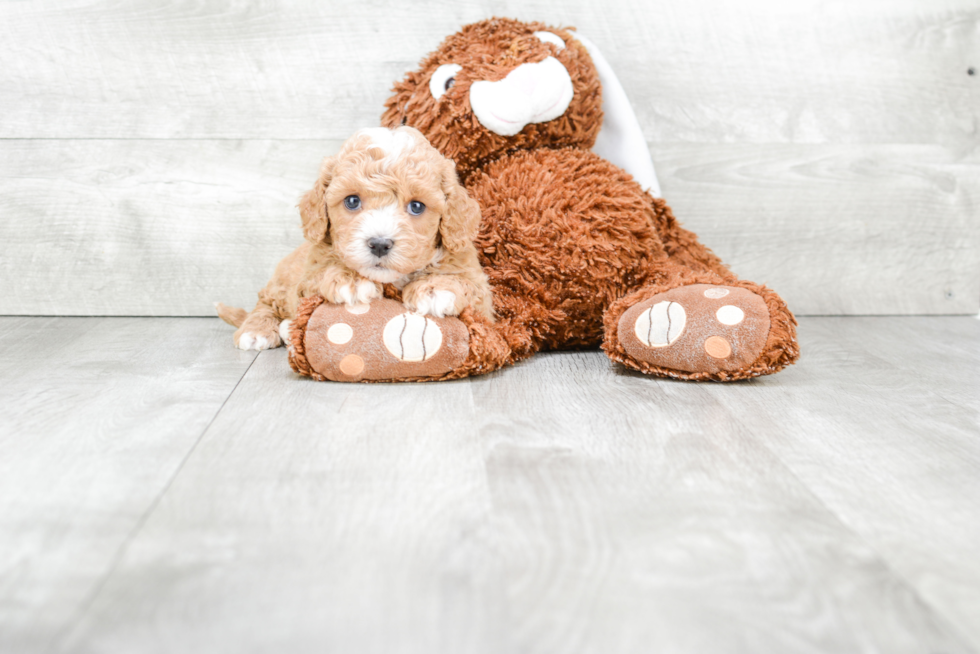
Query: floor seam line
{"points": [[117, 557]]}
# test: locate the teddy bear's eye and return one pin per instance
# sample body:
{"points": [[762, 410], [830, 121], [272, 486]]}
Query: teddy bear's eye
{"points": [[352, 202], [443, 79], [416, 208], [554, 39]]}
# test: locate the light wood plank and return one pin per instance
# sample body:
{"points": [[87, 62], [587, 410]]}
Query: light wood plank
{"points": [[884, 428], [844, 229], [96, 416], [563, 505], [340, 518], [169, 227], [837, 230], [147, 227], [633, 526], [708, 71]]}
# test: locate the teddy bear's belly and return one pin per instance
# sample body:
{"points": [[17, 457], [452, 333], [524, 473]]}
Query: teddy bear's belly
{"points": [[567, 231]]}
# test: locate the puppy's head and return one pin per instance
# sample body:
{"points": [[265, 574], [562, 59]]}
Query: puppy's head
{"points": [[389, 204]]}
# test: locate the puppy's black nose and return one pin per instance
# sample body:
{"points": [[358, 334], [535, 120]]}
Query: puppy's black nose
{"points": [[380, 246]]}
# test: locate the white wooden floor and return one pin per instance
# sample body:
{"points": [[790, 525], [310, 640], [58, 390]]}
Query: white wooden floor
{"points": [[163, 492]]}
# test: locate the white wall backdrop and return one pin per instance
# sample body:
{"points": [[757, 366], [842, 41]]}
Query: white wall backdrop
{"points": [[151, 154]]}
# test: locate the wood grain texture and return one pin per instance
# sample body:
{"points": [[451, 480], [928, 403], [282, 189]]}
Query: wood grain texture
{"points": [[147, 227], [329, 518], [709, 71], [827, 149], [567, 505], [893, 408], [837, 229], [96, 416], [134, 227], [624, 524]]}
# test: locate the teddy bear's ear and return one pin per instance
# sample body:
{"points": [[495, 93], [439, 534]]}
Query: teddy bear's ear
{"points": [[620, 140], [313, 205]]}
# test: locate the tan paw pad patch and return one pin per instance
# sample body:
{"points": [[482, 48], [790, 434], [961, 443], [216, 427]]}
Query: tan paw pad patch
{"points": [[717, 347], [697, 328], [352, 365]]}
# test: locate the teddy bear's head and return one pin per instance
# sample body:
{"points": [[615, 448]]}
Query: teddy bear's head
{"points": [[501, 85]]}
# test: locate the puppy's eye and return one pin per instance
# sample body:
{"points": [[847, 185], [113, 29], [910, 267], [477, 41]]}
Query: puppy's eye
{"points": [[352, 202], [416, 208], [443, 79]]}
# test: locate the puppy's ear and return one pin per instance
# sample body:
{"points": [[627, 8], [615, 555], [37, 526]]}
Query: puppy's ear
{"points": [[313, 205], [461, 221]]}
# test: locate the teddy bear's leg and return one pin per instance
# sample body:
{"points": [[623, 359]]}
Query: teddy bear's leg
{"points": [[700, 325], [384, 341]]}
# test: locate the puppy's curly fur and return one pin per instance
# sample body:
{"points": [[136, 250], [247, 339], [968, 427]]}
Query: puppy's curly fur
{"points": [[363, 229]]}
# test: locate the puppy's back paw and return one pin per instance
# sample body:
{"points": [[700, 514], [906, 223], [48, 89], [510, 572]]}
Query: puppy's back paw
{"points": [[257, 340]]}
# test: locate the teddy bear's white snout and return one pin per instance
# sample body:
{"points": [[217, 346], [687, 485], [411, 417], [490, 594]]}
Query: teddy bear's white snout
{"points": [[531, 93]]}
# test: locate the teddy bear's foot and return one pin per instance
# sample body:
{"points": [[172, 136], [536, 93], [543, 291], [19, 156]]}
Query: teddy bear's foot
{"points": [[380, 341], [706, 331]]}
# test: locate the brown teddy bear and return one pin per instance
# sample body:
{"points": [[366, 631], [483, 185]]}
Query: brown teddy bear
{"points": [[578, 253]]}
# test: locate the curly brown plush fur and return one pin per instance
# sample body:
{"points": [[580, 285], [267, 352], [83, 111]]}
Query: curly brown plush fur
{"points": [[569, 241], [489, 50]]}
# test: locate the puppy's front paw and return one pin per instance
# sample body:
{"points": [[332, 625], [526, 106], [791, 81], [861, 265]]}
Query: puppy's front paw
{"points": [[351, 293], [436, 303]]}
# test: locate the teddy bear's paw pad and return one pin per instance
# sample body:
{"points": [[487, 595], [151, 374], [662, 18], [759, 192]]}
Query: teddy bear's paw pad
{"points": [[382, 341], [697, 328], [411, 337]]}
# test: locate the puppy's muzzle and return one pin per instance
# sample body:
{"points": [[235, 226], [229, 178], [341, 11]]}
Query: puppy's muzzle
{"points": [[380, 246]]}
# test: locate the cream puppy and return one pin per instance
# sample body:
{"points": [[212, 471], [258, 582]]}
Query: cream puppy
{"points": [[387, 209]]}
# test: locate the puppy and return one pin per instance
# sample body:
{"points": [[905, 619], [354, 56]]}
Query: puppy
{"points": [[387, 209]]}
